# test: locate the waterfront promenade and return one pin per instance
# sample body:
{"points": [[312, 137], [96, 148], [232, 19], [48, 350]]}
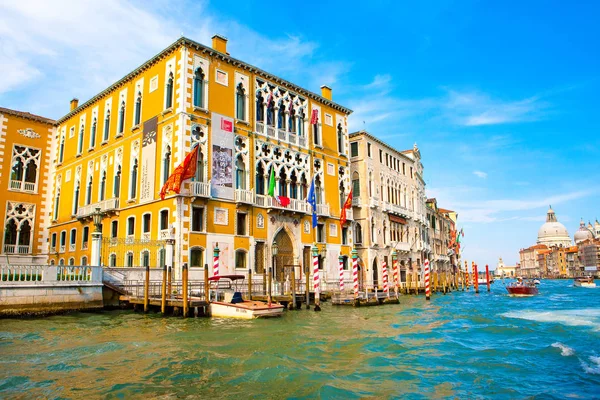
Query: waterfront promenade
{"points": [[456, 346]]}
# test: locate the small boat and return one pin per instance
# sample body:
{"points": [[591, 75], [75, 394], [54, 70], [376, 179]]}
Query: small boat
{"points": [[483, 281], [585, 281], [234, 306], [522, 289], [536, 281]]}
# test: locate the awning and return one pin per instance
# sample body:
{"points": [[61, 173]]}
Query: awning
{"points": [[399, 220]]}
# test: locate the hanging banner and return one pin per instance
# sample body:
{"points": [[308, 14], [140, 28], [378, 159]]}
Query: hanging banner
{"points": [[148, 161], [222, 157]]}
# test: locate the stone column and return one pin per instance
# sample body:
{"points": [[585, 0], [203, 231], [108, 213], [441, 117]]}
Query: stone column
{"points": [[96, 249], [170, 244]]}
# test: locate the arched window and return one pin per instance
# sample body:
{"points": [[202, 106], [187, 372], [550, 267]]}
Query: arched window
{"points": [[169, 92], [17, 170], [93, 133], [355, 184], [117, 182], [240, 173], [102, 186], [303, 187], [340, 138], [133, 187], [121, 118], [88, 193], [358, 233], [196, 257], [166, 167], [240, 259], [292, 120], [80, 140], [106, 126], [61, 261], [10, 233], [61, 150], [342, 190], [138, 110], [370, 184], [162, 257], [71, 261], [318, 190], [283, 182], [56, 203], [31, 172], [293, 185], [200, 168], [84, 261], [300, 127], [145, 258], [129, 259], [198, 88], [281, 117], [112, 260], [271, 113], [260, 108], [260, 179], [76, 198], [373, 232], [240, 103]]}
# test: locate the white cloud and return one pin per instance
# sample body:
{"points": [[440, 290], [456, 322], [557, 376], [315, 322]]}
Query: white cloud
{"points": [[480, 174]]}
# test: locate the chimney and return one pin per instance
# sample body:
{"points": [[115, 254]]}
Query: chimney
{"points": [[74, 104], [326, 92], [219, 43]]}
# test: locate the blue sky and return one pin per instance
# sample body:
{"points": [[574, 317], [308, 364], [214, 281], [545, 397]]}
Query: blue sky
{"points": [[501, 97]]}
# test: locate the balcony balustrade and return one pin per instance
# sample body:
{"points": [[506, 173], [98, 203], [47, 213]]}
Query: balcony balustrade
{"points": [[402, 246], [356, 201], [280, 134], [22, 186], [270, 202], [244, 196], [104, 206], [323, 209], [200, 189], [373, 202], [17, 249], [270, 131]]}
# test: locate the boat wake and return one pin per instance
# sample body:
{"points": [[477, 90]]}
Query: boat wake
{"points": [[593, 367], [564, 349], [583, 317]]}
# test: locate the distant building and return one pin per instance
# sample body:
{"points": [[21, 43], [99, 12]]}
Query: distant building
{"points": [[505, 270], [584, 233], [589, 256], [529, 260]]}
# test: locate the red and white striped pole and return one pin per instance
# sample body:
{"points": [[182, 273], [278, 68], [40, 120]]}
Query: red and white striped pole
{"points": [[467, 274], [355, 272], [216, 260], [386, 288], [475, 277], [341, 267], [316, 278], [427, 288], [395, 265]]}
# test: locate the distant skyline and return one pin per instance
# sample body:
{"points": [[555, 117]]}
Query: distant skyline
{"points": [[501, 97]]}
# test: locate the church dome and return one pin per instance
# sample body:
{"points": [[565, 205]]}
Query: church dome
{"points": [[553, 233], [583, 233]]}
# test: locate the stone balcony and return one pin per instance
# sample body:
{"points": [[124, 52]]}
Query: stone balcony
{"points": [[244, 196], [295, 205], [280, 134], [105, 206], [200, 189]]}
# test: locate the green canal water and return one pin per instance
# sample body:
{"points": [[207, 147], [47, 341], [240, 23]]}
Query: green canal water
{"points": [[461, 345]]}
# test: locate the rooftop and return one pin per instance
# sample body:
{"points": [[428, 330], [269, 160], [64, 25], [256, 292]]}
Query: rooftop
{"points": [[26, 115]]}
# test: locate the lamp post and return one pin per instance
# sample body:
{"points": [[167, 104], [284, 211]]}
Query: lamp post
{"points": [[96, 238], [274, 250]]}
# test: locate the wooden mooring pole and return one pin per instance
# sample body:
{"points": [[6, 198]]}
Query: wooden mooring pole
{"points": [[206, 284], [170, 280], [249, 284], [269, 297], [475, 277], [307, 275], [487, 276], [147, 289], [184, 288], [163, 302], [293, 288]]}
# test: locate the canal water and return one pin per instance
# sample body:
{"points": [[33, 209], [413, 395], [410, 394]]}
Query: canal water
{"points": [[461, 345]]}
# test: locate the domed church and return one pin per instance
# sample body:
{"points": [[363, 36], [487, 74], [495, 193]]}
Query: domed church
{"points": [[553, 233], [583, 233]]}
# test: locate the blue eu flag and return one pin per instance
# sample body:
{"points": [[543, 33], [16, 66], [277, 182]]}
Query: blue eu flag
{"points": [[312, 200]]}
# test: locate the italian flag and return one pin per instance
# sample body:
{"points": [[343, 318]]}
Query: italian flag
{"points": [[282, 200]]}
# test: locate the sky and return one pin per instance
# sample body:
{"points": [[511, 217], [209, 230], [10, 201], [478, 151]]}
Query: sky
{"points": [[500, 97]]}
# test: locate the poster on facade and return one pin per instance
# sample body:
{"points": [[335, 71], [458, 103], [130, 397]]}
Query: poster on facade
{"points": [[148, 162], [222, 157]]}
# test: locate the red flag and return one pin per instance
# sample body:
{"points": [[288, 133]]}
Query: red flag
{"points": [[185, 170], [283, 201], [314, 119], [347, 205]]}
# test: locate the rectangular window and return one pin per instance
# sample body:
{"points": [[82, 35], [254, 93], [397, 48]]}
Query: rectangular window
{"points": [[403, 169], [411, 172], [196, 257], [146, 223], [164, 219], [198, 219], [344, 235], [241, 224], [321, 233], [381, 156], [114, 229], [354, 149], [73, 237], [369, 149], [131, 225], [63, 238]]}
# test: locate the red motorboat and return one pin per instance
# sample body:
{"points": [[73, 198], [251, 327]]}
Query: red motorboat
{"points": [[521, 288]]}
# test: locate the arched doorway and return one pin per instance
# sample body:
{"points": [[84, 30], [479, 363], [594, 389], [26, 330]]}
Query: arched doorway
{"points": [[285, 255], [375, 273]]}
